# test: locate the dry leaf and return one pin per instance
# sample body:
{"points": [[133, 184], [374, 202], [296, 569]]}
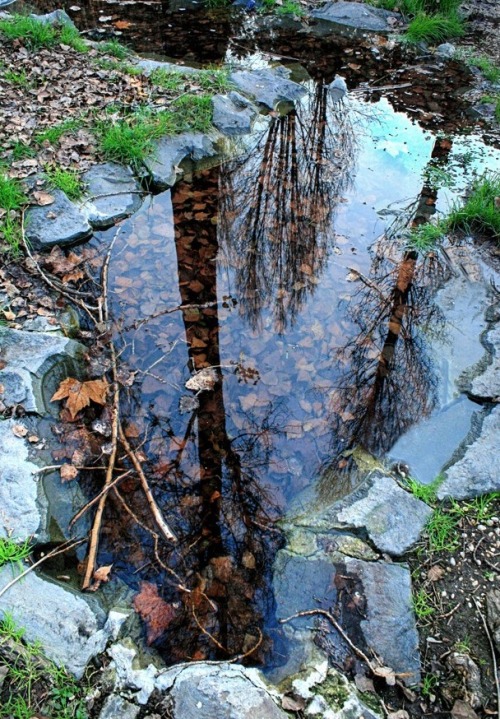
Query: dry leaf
{"points": [[9, 315], [43, 198], [68, 472], [19, 430], [79, 394], [387, 673], [154, 610], [122, 24], [102, 573], [435, 573], [73, 276]]}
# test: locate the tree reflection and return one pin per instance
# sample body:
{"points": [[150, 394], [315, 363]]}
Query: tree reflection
{"points": [[278, 202]]}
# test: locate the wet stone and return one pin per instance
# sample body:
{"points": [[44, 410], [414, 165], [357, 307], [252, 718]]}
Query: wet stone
{"points": [[478, 472], [61, 223], [69, 630], [163, 165], [268, 87], [35, 363], [113, 194], [21, 514], [115, 706], [149, 66], [356, 15], [233, 115], [446, 49], [487, 384]]}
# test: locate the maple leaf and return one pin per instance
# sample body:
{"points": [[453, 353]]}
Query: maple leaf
{"points": [[154, 610], [80, 394]]}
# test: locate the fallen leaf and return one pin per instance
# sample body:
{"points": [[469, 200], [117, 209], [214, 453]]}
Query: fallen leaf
{"points": [[462, 710], [73, 276], [79, 394], [364, 683], [102, 573], [386, 673], [400, 714], [9, 315], [19, 430], [154, 610], [68, 472], [43, 198], [122, 24], [435, 573]]}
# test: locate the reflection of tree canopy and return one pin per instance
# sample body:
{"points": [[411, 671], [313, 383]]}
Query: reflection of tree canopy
{"points": [[277, 205]]}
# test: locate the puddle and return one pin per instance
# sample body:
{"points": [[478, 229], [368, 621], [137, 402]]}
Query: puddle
{"points": [[285, 270]]}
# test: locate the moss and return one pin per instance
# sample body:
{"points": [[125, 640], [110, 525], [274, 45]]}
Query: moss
{"points": [[333, 690]]}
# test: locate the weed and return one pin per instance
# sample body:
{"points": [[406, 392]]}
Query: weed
{"points": [[215, 80], [192, 112], [490, 71], [429, 683], [463, 645], [478, 509], [286, 7], [119, 66], [426, 237], [480, 211], [433, 28], [425, 492], [12, 199], [422, 604], [115, 48], [20, 151], [442, 532], [54, 134], [17, 78], [11, 194], [489, 575], [39, 34], [173, 81], [66, 180], [12, 552]]}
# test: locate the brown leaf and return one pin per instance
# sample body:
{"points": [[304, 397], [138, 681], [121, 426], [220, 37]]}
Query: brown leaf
{"points": [[9, 315], [43, 198], [122, 24], [292, 705], [435, 573], [387, 673], [19, 430], [73, 276], [102, 573], [154, 610], [68, 472], [79, 394]]}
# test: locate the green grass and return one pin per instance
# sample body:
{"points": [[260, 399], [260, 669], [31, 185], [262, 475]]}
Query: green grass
{"points": [[12, 199], [21, 151], [442, 532], [66, 180], [38, 34], [490, 71], [286, 7], [480, 212], [35, 686], [425, 492], [433, 28], [131, 139], [422, 604], [173, 81], [115, 49], [495, 101], [119, 66], [10, 551], [53, 134], [479, 509], [215, 80], [17, 78], [427, 236], [429, 683]]}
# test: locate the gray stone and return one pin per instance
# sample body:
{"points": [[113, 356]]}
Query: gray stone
{"points": [[149, 66], [68, 629], [115, 707], [56, 17], [393, 518], [20, 513], [389, 627], [230, 117], [446, 49], [225, 691], [35, 364], [356, 15], [112, 193], [61, 223], [493, 615], [478, 472], [487, 384], [163, 165], [129, 674], [268, 87]]}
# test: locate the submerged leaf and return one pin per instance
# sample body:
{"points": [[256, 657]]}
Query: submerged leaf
{"points": [[79, 394], [154, 610]]}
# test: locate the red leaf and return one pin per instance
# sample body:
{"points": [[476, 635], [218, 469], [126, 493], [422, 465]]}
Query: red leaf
{"points": [[154, 610]]}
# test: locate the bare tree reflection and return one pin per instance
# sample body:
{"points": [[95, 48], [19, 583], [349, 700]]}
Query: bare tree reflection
{"points": [[278, 202]]}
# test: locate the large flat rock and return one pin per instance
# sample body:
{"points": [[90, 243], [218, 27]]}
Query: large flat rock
{"points": [[233, 114], [487, 384], [21, 515], [356, 15], [163, 165], [268, 87], [112, 193], [61, 223], [34, 364], [478, 472], [68, 629]]}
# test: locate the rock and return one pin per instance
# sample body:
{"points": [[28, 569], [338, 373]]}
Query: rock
{"points": [[232, 115], [21, 515], [446, 49], [113, 193], [225, 691], [487, 384], [163, 164], [393, 518], [149, 66], [389, 626], [268, 87], [357, 15], [129, 674], [61, 223], [462, 710], [493, 614], [115, 706], [68, 629], [35, 363], [56, 17], [470, 676], [478, 472]]}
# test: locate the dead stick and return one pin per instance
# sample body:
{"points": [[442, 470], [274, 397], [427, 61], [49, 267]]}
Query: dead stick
{"points": [[90, 504], [492, 650]]}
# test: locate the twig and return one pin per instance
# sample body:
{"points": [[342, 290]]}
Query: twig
{"points": [[492, 650], [105, 490], [207, 633], [53, 553], [52, 467]]}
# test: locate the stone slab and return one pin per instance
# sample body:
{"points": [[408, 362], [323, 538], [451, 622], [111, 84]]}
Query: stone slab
{"points": [[35, 363], [487, 384], [478, 472], [61, 223], [268, 87], [68, 629], [163, 165], [149, 66], [112, 193], [232, 115], [356, 15]]}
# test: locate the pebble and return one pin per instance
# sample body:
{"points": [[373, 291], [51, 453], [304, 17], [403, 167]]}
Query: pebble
{"points": [[453, 561], [482, 527]]}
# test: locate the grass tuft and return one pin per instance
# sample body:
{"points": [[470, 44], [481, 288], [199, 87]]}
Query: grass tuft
{"points": [[115, 49], [426, 237], [66, 180], [434, 28], [481, 210], [53, 134], [10, 551], [12, 199], [495, 101], [37, 34]]}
